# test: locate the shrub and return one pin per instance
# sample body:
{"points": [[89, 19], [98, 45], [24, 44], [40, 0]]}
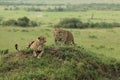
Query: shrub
{"points": [[76, 23], [33, 23], [70, 23], [10, 22], [24, 21]]}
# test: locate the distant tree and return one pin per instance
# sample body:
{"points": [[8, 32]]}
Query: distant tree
{"points": [[24, 21], [6, 9], [70, 23], [60, 9]]}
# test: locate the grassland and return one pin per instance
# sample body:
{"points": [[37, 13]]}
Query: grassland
{"points": [[60, 65], [96, 40], [55, 17], [96, 55]]}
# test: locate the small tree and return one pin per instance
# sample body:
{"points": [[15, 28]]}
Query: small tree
{"points": [[70, 23], [24, 21]]}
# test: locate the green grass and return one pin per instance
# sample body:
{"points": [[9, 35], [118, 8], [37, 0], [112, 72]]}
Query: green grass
{"points": [[55, 17], [97, 58], [106, 41], [22, 36], [68, 63], [101, 41]]}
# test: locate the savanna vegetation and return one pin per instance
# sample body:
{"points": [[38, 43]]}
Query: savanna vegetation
{"points": [[23, 22], [68, 63], [94, 25], [76, 23]]}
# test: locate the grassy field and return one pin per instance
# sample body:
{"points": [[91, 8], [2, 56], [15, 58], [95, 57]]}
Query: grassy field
{"points": [[55, 17], [60, 65], [96, 40], [96, 55], [96, 58]]}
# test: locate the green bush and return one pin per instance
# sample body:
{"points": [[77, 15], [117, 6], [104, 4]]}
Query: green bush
{"points": [[33, 23], [10, 22], [24, 21], [76, 23], [70, 23]]}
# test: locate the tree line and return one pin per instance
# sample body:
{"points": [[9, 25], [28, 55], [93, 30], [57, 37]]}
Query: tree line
{"points": [[65, 23], [64, 7], [77, 23]]}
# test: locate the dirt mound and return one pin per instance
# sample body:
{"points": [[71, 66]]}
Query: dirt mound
{"points": [[92, 62], [78, 62], [24, 55], [20, 54]]}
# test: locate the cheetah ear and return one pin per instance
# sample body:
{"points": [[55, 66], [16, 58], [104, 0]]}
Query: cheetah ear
{"points": [[39, 38]]}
